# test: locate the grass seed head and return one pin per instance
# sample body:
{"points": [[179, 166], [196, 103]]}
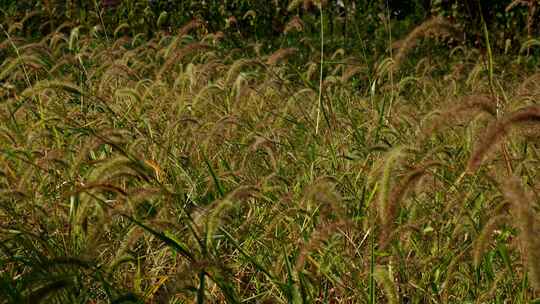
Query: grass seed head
{"points": [[280, 55], [498, 130], [435, 26], [528, 223]]}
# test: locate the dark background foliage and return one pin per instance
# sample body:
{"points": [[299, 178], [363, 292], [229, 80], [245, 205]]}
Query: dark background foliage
{"points": [[263, 19]]}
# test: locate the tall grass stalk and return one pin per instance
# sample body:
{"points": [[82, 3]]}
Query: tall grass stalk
{"points": [[492, 83], [320, 98]]}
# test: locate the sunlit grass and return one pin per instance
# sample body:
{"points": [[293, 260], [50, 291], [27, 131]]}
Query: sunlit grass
{"points": [[173, 170]]}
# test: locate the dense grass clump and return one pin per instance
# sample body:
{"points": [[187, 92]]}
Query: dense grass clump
{"points": [[174, 170]]}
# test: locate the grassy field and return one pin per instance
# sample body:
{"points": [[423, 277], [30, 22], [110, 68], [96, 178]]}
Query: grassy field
{"points": [[173, 170]]}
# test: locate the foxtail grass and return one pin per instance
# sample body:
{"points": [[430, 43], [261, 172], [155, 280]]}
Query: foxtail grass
{"points": [[498, 130], [435, 26], [528, 223]]}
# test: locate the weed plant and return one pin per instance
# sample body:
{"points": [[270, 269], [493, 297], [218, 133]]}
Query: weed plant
{"points": [[173, 170]]}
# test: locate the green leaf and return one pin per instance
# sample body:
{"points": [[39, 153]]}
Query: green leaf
{"points": [[174, 244], [214, 177]]}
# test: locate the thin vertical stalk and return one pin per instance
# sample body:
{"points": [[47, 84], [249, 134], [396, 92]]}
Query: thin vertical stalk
{"points": [[391, 71], [98, 9], [321, 73], [492, 85]]}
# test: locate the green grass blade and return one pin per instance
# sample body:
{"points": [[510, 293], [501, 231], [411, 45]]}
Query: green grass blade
{"points": [[175, 245], [214, 177]]}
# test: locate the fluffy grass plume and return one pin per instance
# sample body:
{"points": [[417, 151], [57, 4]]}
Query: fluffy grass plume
{"points": [[436, 26], [294, 25], [498, 130], [384, 278], [461, 110], [528, 224], [483, 239], [397, 194], [385, 184], [280, 55]]}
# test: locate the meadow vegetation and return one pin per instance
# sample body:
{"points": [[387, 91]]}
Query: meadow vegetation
{"points": [[177, 167]]}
